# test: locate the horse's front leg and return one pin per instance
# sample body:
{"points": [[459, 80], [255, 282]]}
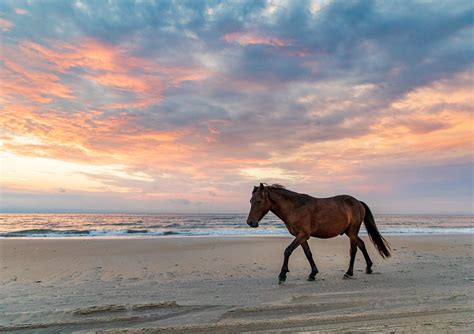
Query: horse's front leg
{"points": [[294, 244]]}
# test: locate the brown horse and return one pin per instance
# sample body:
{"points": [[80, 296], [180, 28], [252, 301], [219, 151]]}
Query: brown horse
{"points": [[306, 216]]}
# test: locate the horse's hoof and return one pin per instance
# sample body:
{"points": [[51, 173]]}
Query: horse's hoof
{"points": [[347, 276], [368, 271], [281, 278], [311, 278]]}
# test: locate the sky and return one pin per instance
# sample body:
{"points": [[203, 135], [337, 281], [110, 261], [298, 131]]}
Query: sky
{"points": [[184, 106]]}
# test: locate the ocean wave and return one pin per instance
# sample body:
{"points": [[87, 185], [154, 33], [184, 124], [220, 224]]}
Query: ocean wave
{"points": [[137, 231], [43, 232], [52, 225], [427, 230], [33, 233], [166, 225]]}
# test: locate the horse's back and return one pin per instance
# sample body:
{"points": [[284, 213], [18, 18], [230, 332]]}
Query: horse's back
{"points": [[334, 215], [337, 203]]}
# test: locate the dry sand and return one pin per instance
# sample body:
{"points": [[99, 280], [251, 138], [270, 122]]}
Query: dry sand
{"points": [[229, 284]]}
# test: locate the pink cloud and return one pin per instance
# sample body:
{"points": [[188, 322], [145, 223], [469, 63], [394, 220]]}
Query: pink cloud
{"points": [[20, 11], [250, 38]]}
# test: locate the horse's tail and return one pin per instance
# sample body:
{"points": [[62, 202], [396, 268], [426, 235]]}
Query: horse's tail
{"points": [[380, 243]]}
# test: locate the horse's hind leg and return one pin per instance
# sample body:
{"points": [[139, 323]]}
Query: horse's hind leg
{"points": [[309, 256], [361, 245], [350, 271]]}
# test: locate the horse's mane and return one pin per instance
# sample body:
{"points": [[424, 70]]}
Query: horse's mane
{"points": [[276, 185], [299, 199], [282, 189]]}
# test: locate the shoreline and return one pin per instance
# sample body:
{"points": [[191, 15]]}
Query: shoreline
{"points": [[217, 284], [135, 235]]}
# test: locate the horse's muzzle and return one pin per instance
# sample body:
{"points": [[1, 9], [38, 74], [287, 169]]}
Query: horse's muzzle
{"points": [[252, 223]]}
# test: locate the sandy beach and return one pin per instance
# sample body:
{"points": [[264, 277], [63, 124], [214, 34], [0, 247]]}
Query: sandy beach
{"points": [[229, 284]]}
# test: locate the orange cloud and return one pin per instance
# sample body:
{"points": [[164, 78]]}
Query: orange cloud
{"points": [[104, 64], [37, 86], [429, 125], [82, 136], [5, 25], [432, 123], [89, 54]]}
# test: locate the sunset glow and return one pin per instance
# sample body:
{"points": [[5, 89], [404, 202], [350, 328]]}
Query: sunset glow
{"points": [[184, 107]]}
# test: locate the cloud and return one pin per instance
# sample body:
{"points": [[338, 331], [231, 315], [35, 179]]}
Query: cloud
{"points": [[270, 173], [5, 25], [249, 38], [20, 11], [194, 99], [60, 71]]}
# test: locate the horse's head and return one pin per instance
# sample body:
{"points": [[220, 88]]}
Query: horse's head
{"points": [[260, 205]]}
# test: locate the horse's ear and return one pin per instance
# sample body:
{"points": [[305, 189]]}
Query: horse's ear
{"points": [[261, 187], [254, 190]]}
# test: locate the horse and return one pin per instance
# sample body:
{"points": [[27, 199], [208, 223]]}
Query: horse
{"points": [[306, 216]]}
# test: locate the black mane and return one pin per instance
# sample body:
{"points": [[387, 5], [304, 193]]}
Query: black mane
{"points": [[297, 198]]}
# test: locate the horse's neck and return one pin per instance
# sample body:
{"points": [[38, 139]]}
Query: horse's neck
{"points": [[279, 205]]}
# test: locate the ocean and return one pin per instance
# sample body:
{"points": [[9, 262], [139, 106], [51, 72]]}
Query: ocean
{"points": [[167, 225]]}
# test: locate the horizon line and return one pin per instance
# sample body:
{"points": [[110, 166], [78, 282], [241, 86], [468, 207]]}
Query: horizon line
{"points": [[197, 213]]}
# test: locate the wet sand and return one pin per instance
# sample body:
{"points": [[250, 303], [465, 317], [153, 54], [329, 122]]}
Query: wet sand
{"points": [[230, 284]]}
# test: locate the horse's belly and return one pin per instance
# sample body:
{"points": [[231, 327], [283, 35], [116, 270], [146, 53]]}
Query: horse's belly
{"points": [[329, 229], [325, 234]]}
